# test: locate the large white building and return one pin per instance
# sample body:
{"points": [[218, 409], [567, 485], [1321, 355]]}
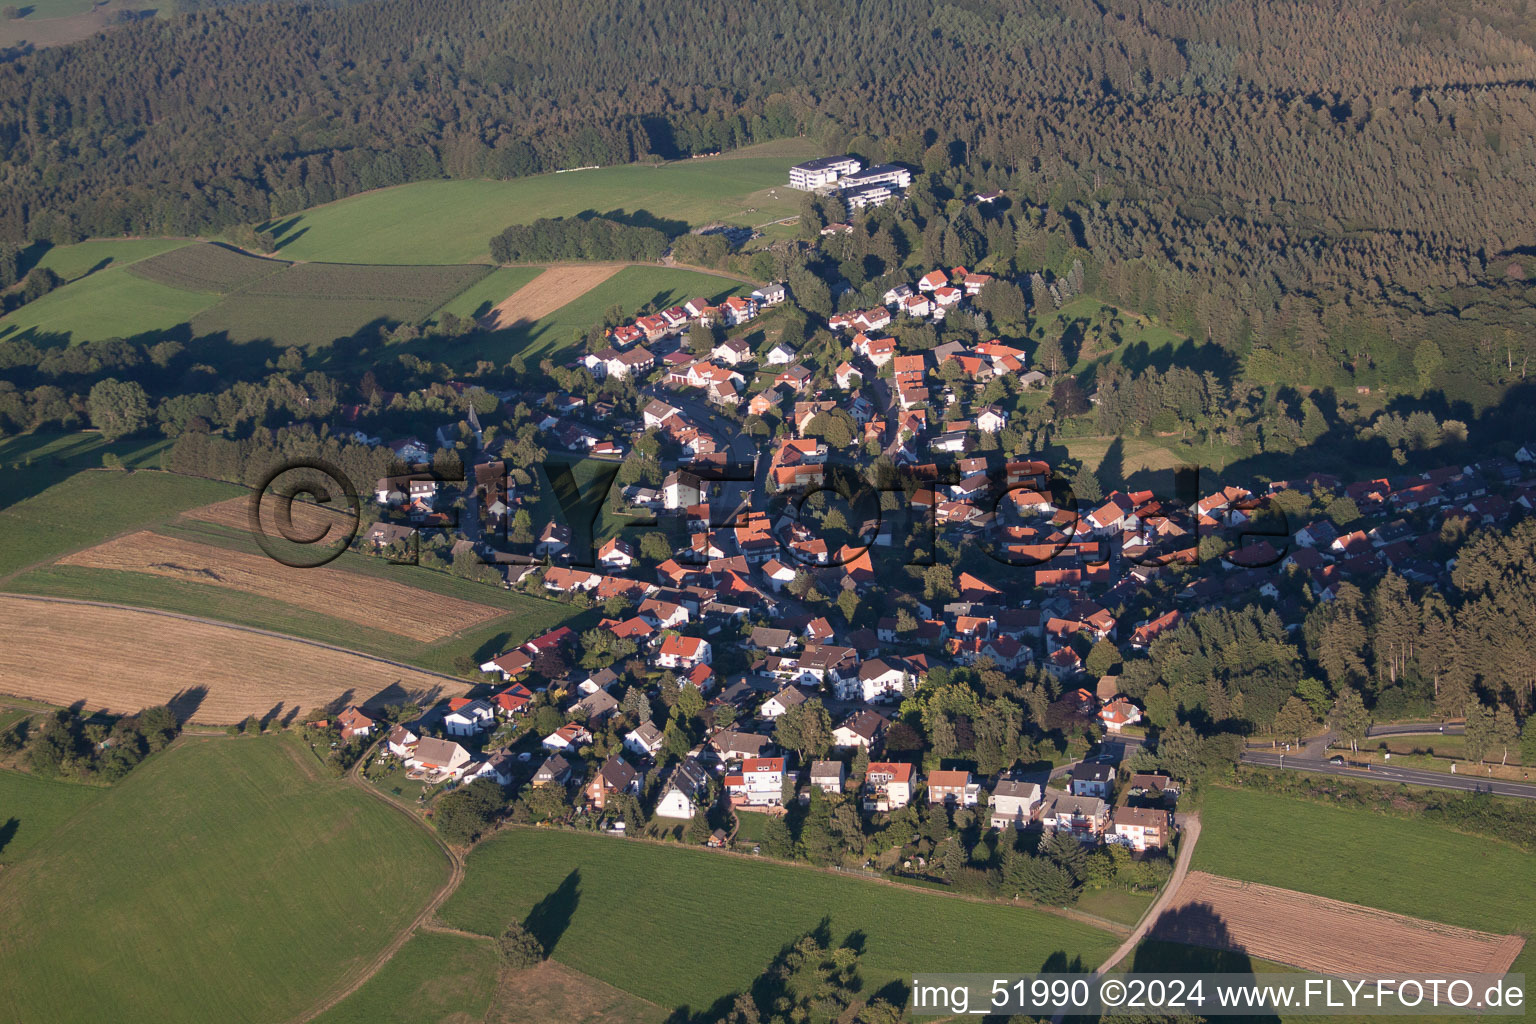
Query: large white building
{"points": [[882, 174], [826, 170]]}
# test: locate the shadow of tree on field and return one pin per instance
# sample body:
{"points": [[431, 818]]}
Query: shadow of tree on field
{"points": [[186, 703], [8, 832], [551, 916]]}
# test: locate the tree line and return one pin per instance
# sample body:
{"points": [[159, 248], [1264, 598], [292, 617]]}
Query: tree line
{"points": [[577, 238]]}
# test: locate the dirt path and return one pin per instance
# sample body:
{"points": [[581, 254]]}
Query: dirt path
{"points": [[362, 975], [1191, 824]]}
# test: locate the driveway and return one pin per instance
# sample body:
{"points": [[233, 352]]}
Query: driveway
{"points": [[1190, 823]]}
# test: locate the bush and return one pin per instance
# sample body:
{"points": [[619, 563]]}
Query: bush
{"points": [[518, 948]]}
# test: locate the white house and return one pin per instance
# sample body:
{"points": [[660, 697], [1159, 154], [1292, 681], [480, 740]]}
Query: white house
{"points": [[780, 355], [683, 652], [760, 783], [1092, 779], [877, 679], [1014, 803], [681, 793], [644, 741], [567, 737], [468, 717], [782, 701]]}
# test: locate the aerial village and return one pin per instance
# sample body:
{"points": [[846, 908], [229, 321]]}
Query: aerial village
{"points": [[746, 606]]}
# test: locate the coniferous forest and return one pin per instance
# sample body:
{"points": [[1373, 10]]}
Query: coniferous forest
{"points": [[1318, 186]]}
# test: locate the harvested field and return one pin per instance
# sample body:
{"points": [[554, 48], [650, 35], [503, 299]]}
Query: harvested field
{"points": [[366, 600], [123, 660], [1324, 935], [548, 292], [206, 267]]}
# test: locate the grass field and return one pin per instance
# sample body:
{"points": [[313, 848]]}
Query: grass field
{"points": [[32, 808], [732, 914], [561, 331], [111, 303], [453, 221], [223, 879], [1408, 867], [88, 507], [481, 297], [435, 978], [72, 261]]}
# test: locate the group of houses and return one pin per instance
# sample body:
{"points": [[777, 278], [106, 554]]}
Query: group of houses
{"points": [[858, 186]]}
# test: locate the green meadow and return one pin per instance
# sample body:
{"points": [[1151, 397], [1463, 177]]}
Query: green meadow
{"points": [[110, 303], [436, 976], [31, 808], [224, 879], [453, 221], [481, 297], [679, 926]]}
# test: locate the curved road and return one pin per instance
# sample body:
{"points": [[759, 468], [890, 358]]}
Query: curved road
{"points": [[1383, 773]]}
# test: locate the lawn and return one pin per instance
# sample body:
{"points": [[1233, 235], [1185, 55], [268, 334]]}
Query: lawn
{"points": [[453, 221], [88, 507], [481, 297], [111, 303], [648, 918], [1116, 904], [31, 808], [224, 879], [561, 332], [1397, 864], [435, 977]]}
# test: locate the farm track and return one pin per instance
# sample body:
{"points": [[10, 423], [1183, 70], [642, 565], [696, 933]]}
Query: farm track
{"points": [[422, 920]]}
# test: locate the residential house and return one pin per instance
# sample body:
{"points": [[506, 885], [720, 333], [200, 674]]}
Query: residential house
{"points": [[953, 789], [782, 701], [1083, 817], [555, 770], [443, 757], [467, 717], [759, 783], [1140, 828], [683, 652], [862, 729], [887, 786], [1090, 778], [354, 724], [1118, 714], [682, 791], [401, 742], [827, 776], [731, 745], [644, 740], [1014, 803], [614, 777], [567, 737]]}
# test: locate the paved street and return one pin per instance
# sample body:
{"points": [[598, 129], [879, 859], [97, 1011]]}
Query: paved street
{"points": [[1383, 773]]}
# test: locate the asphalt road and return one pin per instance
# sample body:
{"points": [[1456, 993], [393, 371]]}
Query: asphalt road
{"points": [[1383, 773]]}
